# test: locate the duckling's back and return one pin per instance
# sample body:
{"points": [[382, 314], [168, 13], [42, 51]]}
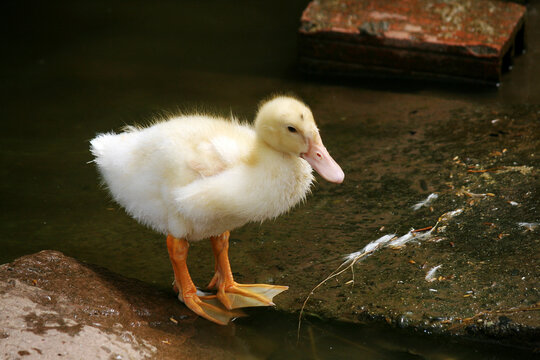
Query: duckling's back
{"points": [[143, 166]]}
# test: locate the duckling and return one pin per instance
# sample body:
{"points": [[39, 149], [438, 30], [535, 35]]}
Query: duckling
{"points": [[194, 177]]}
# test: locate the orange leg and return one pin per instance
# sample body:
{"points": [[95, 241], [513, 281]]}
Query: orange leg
{"points": [[231, 294], [206, 306]]}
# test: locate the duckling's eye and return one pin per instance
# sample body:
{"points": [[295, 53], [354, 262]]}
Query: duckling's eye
{"points": [[291, 129]]}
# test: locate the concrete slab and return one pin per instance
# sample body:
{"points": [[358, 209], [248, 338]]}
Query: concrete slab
{"points": [[463, 40]]}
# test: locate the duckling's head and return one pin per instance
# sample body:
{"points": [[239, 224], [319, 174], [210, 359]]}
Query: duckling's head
{"points": [[287, 125]]}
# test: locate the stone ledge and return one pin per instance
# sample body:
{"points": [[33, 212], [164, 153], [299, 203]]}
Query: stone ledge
{"points": [[53, 306]]}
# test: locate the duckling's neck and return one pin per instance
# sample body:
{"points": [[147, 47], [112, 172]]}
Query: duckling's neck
{"points": [[262, 151]]}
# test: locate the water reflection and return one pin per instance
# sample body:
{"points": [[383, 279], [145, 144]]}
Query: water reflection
{"points": [[270, 335]]}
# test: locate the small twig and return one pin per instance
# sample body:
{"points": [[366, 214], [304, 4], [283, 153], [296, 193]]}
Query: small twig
{"points": [[422, 229], [340, 270], [495, 169]]}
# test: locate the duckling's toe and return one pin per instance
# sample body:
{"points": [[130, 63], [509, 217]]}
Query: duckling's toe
{"points": [[211, 309], [248, 295]]}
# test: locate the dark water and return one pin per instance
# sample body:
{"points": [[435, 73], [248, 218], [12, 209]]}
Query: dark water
{"points": [[70, 71]]}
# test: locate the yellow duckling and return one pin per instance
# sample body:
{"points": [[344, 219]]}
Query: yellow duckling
{"points": [[196, 177]]}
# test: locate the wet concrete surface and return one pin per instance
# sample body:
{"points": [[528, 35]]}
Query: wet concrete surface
{"points": [[488, 281], [75, 71]]}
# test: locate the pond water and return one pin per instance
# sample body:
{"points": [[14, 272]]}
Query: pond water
{"points": [[73, 71]]}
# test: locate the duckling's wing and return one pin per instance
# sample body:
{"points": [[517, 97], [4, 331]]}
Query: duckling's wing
{"points": [[210, 201], [219, 153]]}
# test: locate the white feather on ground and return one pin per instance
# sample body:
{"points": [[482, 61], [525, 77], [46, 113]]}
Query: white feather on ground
{"points": [[430, 276], [426, 202], [529, 226], [369, 248]]}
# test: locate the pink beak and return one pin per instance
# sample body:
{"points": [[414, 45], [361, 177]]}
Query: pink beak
{"points": [[318, 157]]}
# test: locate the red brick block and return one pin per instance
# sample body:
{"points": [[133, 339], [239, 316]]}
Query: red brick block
{"points": [[455, 39]]}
